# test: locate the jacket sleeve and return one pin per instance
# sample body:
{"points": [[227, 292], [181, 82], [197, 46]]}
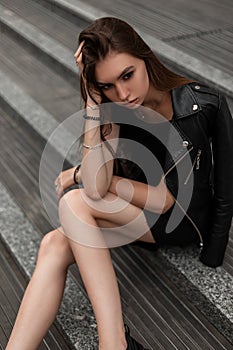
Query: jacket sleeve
{"points": [[222, 210]]}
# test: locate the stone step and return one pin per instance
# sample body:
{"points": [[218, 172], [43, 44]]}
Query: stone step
{"points": [[184, 25], [12, 286], [184, 62], [48, 49]]}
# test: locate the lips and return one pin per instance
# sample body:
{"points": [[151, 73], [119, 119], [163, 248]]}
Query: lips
{"points": [[132, 102]]}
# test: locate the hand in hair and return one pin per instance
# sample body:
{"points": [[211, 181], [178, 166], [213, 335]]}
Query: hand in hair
{"points": [[79, 63], [78, 57]]}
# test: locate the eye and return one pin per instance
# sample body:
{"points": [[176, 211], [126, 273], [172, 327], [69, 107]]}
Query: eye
{"points": [[128, 75], [105, 87]]}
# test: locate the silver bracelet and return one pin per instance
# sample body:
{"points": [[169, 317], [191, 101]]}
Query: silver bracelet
{"points": [[93, 108], [90, 117], [99, 145]]}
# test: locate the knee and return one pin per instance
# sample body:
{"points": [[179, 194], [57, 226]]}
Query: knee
{"points": [[70, 199], [55, 248], [72, 207]]}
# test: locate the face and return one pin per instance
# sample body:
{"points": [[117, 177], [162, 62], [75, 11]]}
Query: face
{"points": [[123, 79]]}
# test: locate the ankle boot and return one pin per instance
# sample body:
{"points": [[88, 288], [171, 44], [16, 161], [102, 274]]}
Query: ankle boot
{"points": [[132, 344]]}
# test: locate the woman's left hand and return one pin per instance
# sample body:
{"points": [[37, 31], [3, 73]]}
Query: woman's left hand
{"points": [[64, 180]]}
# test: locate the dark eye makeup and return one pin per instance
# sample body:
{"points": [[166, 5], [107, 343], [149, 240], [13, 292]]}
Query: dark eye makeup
{"points": [[128, 75], [107, 86]]}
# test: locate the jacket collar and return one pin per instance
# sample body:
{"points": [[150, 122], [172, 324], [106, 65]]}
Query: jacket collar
{"points": [[185, 101]]}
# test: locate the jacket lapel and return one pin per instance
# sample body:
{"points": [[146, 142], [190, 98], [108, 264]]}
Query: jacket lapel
{"points": [[185, 104], [184, 101]]}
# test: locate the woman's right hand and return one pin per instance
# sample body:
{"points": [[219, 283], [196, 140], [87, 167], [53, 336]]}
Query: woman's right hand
{"points": [[78, 57], [79, 62]]}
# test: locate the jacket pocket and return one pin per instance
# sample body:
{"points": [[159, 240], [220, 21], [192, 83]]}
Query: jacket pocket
{"points": [[195, 166]]}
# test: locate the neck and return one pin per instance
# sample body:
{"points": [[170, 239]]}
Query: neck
{"points": [[159, 101], [154, 99]]}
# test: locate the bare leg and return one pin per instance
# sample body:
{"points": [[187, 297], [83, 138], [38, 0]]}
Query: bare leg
{"points": [[43, 295], [80, 216], [42, 298]]}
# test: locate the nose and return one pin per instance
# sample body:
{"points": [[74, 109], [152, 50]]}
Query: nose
{"points": [[122, 92]]}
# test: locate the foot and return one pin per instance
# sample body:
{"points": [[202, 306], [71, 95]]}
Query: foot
{"points": [[132, 344]]}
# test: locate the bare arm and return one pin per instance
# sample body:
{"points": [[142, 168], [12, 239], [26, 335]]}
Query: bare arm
{"points": [[97, 160], [97, 163], [156, 199]]}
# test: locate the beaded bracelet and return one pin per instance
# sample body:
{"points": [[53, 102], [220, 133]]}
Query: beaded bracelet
{"points": [[99, 145], [90, 117], [75, 173]]}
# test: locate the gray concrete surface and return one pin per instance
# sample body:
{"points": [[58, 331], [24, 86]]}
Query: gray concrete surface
{"points": [[189, 20]]}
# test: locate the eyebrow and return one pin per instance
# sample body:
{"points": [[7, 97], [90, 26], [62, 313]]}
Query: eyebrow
{"points": [[120, 76]]}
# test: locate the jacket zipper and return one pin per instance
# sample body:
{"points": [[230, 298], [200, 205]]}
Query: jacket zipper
{"points": [[197, 163], [177, 162]]}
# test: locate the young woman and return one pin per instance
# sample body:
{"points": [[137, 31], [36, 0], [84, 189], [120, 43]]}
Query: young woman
{"points": [[122, 195]]}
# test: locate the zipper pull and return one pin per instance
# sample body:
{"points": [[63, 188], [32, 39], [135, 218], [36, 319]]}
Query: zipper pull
{"points": [[198, 158], [195, 162]]}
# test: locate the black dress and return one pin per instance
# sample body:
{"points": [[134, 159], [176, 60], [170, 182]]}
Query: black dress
{"points": [[141, 157]]}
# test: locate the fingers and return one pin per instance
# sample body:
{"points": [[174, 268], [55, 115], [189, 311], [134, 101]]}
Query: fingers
{"points": [[78, 59], [59, 191], [58, 186], [58, 180], [78, 55]]}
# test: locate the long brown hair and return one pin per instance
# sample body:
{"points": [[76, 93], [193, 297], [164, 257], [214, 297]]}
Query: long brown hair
{"points": [[113, 34]]}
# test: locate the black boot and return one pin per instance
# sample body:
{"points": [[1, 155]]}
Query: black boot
{"points": [[132, 344]]}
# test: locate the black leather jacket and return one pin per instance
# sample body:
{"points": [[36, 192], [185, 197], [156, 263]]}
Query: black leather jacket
{"points": [[204, 122]]}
